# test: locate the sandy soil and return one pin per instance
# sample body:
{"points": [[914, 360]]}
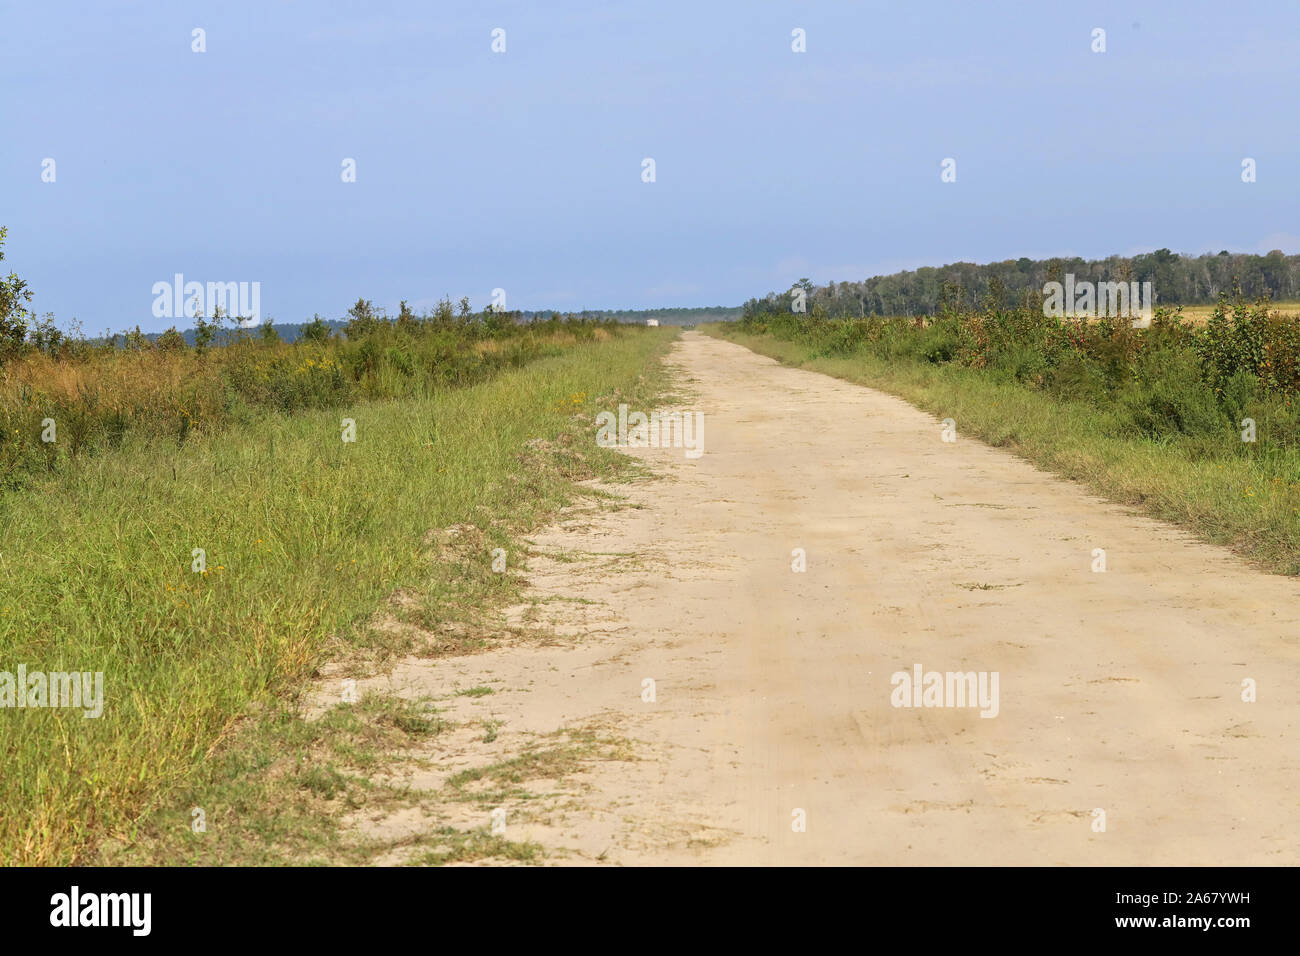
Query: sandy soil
{"points": [[1118, 691]]}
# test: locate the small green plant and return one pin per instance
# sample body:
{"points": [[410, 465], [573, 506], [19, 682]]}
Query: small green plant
{"points": [[14, 295], [317, 330], [171, 341], [205, 332]]}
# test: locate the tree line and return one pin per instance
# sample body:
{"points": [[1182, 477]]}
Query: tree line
{"points": [[1175, 280]]}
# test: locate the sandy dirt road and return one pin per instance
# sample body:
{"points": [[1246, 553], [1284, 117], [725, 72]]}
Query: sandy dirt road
{"points": [[1118, 691]]}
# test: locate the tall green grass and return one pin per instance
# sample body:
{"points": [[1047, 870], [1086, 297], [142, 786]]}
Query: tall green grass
{"points": [[304, 535]]}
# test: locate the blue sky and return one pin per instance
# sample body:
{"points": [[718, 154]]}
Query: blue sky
{"points": [[522, 170]]}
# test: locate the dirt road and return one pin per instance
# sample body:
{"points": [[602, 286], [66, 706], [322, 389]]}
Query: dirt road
{"points": [[1119, 692]]}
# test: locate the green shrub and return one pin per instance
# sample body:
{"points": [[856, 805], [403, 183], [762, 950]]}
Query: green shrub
{"points": [[1169, 397], [1076, 378], [171, 341], [317, 330]]}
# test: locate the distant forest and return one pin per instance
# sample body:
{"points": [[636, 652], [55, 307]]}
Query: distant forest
{"points": [[1175, 280]]}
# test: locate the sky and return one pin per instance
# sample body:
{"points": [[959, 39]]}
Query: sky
{"points": [[522, 170]]}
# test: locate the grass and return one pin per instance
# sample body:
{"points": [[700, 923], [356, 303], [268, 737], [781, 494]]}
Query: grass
{"points": [[504, 780], [463, 846], [1240, 498], [303, 537], [275, 795]]}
